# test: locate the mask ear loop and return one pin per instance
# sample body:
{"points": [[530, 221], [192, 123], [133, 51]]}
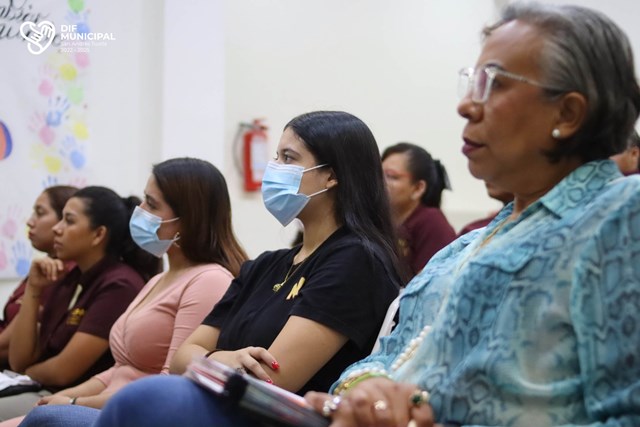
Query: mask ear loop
{"points": [[315, 167], [318, 192], [170, 220], [310, 169], [176, 236], [175, 239]]}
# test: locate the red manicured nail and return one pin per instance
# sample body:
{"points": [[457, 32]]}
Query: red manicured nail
{"points": [[269, 381], [275, 365]]}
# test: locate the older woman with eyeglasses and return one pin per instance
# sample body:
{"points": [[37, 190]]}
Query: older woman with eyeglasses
{"points": [[534, 320]]}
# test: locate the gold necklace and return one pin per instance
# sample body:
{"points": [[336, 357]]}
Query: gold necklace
{"points": [[491, 235], [290, 273], [484, 242]]}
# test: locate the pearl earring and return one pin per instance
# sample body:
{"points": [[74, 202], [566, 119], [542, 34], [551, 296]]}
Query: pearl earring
{"points": [[555, 133]]}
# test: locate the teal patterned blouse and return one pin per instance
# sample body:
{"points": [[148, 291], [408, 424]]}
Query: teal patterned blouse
{"points": [[540, 326]]}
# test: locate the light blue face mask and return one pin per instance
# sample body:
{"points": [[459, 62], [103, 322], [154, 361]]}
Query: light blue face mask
{"points": [[280, 186], [144, 227]]}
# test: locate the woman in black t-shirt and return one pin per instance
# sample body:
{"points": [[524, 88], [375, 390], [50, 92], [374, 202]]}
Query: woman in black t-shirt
{"points": [[299, 316], [295, 317]]}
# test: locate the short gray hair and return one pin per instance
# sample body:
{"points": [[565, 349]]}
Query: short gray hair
{"points": [[586, 52]]}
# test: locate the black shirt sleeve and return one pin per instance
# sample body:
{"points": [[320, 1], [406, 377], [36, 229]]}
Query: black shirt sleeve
{"points": [[222, 307]]}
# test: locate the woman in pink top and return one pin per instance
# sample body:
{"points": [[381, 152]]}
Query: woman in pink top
{"points": [[186, 214]]}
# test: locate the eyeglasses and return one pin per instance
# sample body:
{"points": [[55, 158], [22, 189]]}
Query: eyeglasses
{"points": [[479, 82], [395, 176]]}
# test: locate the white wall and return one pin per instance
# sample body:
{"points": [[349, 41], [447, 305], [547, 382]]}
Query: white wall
{"points": [[158, 91], [125, 94], [193, 80]]}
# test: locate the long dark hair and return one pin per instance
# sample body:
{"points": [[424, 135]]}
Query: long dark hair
{"points": [[347, 145], [197, 193], [423, 167], [58, 196], [105, 208]]}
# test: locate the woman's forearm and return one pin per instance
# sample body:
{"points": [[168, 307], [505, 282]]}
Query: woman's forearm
{"points": [[199, 343], [184, 356], [90, 387], [5, 338], [97, 401], [24, 341], [76, 358]]}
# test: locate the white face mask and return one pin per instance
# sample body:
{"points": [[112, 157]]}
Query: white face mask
{"points": [[144, 227], [280, 186]]}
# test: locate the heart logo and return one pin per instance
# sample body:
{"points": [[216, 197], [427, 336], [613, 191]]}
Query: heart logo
{"points": [[39, 36]]}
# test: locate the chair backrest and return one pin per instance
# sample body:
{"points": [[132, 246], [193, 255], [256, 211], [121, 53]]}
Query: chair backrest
{"points": [[389, 321]]}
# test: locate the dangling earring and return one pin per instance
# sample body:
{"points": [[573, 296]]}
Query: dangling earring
{"points": [[555, 133]]}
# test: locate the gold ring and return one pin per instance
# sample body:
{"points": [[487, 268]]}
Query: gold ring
{"points": [[419, 397], [380, 405], [330, 406]]}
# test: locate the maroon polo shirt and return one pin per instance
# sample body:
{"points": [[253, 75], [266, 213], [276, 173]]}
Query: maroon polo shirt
{"points": [[424, 233], [12, 307], [106, 291]]}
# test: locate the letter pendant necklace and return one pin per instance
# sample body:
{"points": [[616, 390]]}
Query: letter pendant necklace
{"points": [[290, 273]]}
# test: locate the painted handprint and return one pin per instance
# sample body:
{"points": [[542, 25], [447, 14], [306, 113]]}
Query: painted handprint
{"points": [[49, 181], [48, 75], [46, 157], [3, 256], [78, 181], [75, 94], [9, 225], [76, 5], [21, 257], [80, 130], [79, 20], [82, 59], [38, 125], [57, 108], [74, 151]]}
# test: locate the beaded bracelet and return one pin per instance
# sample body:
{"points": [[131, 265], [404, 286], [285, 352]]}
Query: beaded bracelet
{"points": [[358, 376]]}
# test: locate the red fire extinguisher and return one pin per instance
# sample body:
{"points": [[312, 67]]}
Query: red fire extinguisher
{"points": [[254, 154]]}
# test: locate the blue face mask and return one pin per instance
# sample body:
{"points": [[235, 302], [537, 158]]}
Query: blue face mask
{"points": [[144, 227], [280, 186]]}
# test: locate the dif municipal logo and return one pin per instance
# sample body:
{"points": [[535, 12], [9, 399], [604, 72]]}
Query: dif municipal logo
{"points": [[39, 37]]}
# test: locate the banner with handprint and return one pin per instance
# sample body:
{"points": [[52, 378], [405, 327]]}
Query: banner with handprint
{"points": [[44, 136]]}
